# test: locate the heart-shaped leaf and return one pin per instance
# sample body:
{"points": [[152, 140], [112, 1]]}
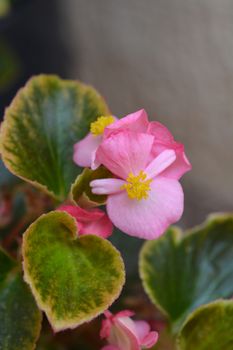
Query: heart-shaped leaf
{"points": [[180, 274], [46, 118], [20, 319], [208, 328], [81, 192], [73, 278]]}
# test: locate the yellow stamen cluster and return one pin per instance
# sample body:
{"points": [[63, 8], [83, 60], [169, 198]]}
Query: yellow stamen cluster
{"points": [[97, 127], [137, 187]]}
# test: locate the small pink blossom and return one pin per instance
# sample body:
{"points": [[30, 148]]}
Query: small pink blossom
{"points": [[144, 197], [85, 150], [163, 139], [91, 221], [122, 333]]}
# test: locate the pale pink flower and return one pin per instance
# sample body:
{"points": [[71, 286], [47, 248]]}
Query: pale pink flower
{"points": [[163, 139], [122, 333], [91, 221], [144, 198], [85, 150]]}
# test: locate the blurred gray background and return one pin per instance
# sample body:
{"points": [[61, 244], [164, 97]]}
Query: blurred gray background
{"points": [[172, 57], [175, 59]]}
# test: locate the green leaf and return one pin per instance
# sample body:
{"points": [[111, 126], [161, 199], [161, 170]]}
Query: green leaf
{"points": [[208, 327], [81, 192], [180, 274], [5, 7], [73, 279], [40, 127], [20, 318]]}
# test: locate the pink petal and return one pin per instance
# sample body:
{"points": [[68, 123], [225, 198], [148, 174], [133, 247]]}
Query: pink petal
{"points": [[80, 214], [150, 340], [137, 121], [94, 161], [125, 152], [84, 150], [105, 329], [148, 218], [111, 320], [93, 221], [161, 133], [142, 329], [160, 163], [122, 337], [180, 166], [102, 227], [106, 186], [164, 140], [147, 338], [108, 314], [129, 324]]}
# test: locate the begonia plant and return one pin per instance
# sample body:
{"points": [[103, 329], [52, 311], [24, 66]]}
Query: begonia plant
{"points": [[79, 188]]}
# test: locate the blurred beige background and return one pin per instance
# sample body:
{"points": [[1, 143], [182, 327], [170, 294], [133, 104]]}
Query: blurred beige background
{"points": [[175, 59]]}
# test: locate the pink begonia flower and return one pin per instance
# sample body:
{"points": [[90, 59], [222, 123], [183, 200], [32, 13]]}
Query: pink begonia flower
{"points": [[163, 139], [122, 333], [144, 198], [92, 221], [85, 150]]}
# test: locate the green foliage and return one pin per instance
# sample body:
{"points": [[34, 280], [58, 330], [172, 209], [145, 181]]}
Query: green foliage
{"points": [[208, 327], [81, 192], [20, 319], [73, 278], [40, 127], [6, 265], [181, 273], [5, 6], [9, 63]]}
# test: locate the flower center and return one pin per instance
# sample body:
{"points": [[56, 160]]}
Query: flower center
{"points": [[97, 127], [137, 187]]}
